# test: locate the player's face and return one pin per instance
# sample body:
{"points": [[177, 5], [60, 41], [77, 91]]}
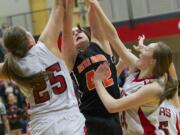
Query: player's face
{"points": [[146, 59], [30, 39], [81, 40]]}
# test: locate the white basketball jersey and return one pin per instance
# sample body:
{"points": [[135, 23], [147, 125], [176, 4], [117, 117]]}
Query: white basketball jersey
{"points": [[142, 120], [169, 118], [54, 94]]}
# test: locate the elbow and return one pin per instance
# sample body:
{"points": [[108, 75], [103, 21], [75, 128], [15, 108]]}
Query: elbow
{"points": [[112, 110]]}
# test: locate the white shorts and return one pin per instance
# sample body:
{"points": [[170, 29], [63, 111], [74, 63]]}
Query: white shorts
{"points": [[69, 123]]}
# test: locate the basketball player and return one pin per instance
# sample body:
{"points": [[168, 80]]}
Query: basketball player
{"points": [[139, 105], [169, 108], [82, 57], [43, 77], [144, 89]]}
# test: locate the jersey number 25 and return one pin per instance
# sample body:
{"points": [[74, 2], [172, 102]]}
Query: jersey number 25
{"points": [[40, 95]]}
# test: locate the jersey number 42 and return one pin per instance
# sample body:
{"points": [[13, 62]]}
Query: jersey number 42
{"points": [[108, 81]]}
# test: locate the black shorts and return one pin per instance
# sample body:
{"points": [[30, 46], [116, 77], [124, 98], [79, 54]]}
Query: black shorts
{"points": [[2, 129], [103, 126]]}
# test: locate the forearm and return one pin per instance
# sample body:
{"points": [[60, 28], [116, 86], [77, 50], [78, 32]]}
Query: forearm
{"points": [[50, 34], [67, 26], [56, 17], [68, 47], [106, 98], [113, 38], [96, 28], [68, 19], [97, 31], [67, 38], [108, 28]]}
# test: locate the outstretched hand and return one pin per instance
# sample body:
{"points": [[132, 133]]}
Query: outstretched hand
{"points": [[141, 40], [101, 71], [140, 45]]}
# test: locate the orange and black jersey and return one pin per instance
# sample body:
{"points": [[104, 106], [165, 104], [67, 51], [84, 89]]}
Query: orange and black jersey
{"points": [[83, 73]]}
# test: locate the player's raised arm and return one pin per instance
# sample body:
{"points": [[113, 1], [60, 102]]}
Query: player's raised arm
{"points": [[112, 36], [97, 30], [50, 34], [68, 52], [135, 99]]}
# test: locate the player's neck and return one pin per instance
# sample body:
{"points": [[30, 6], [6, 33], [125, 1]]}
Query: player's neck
{"points": [[145, 74]]}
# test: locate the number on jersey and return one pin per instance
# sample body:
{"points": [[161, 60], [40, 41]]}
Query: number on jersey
{"points": [[57, 82], [108, 81], [163, 125]]}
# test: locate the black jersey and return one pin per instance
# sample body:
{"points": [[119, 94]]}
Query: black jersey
{"points": [[83, 73]]}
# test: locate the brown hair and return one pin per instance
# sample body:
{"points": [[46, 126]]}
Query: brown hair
{"points": [[163, 56], [16, 41], [84, 30]]}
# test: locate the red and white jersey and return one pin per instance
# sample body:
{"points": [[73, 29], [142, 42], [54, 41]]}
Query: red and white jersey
{"points": [[56, 92], [169, 118], [142, 120]]}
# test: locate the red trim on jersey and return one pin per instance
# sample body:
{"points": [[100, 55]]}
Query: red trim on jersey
{"points": [[143, 79], [177, 126], [85, 131], [149, 129]]}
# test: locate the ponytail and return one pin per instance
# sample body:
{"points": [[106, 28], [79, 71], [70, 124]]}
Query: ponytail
{"points": [[171, 88], [12, 71]]}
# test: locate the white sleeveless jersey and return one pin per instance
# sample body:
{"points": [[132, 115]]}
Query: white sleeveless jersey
{"points": [[169, 118], [142, 120], [54, 94]]}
